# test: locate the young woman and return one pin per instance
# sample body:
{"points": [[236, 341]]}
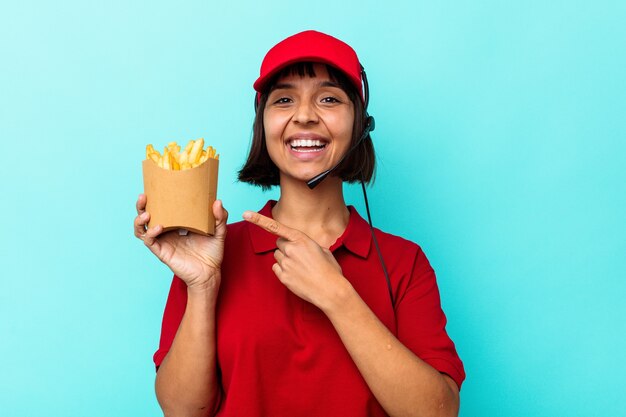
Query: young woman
{"points": [[290, 312]]}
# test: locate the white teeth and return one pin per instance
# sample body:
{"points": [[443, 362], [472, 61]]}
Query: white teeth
{"points": [[305, 143]]}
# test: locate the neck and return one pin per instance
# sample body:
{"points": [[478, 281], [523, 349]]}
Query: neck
{"points": [[321, 213]]}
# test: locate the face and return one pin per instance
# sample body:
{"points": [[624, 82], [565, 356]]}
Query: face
{"points": [[308, 124]]}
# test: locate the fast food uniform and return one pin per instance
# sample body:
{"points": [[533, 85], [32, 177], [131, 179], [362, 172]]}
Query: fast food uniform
{"points": [[279, 355]]}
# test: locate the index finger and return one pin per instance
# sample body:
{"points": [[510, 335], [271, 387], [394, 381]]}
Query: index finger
{"points": [[271, 225]]}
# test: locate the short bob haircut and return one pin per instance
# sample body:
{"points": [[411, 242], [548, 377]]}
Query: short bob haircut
{"points": [[358, 166]]}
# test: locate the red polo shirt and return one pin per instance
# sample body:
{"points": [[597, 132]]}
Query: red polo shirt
{"points": [[279, 355]]}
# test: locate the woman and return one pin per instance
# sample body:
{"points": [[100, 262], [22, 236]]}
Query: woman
{"points": [[291, 314]]}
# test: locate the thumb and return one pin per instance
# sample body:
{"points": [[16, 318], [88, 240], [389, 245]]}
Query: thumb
{"points": [[221, 216]]}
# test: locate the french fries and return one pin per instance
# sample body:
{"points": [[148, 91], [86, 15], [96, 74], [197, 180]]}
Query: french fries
{"points": [[174, 159]]}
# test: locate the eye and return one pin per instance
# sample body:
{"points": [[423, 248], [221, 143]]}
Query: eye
{"points": [[330, 99], [282, 100]]}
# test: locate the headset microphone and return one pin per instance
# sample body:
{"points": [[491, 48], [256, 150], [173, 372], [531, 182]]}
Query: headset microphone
{"points": [[369, 126]]}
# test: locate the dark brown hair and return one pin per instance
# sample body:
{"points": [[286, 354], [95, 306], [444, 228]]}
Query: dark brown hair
{"points": [[359, 165]]}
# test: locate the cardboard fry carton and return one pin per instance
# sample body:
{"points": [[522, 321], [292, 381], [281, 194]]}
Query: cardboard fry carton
{"points": [[181, 199]]}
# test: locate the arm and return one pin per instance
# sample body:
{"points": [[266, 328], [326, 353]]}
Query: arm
{"points": [[186, 382], [402, 383]]}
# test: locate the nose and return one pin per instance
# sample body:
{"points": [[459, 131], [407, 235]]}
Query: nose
{"points": [[305, 113]]}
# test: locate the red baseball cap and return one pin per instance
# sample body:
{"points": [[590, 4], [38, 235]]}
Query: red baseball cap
{"points": [[311, 46]]}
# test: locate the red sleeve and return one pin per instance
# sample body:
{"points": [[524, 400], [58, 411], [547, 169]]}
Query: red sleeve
{"points": [[172, 316], [422, 323]]}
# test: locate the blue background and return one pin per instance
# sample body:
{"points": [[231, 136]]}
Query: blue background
{"points": [[501, 147]]}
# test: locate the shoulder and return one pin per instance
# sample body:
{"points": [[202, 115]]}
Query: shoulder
{"points": [[236, 232], [237, 245], [396, 241], [400, 250], [394, 248]]}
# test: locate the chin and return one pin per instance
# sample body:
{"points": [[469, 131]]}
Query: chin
{"points": [[303, 176]]}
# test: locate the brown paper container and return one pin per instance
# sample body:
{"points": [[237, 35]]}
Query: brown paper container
{"points": [[181, 199]]}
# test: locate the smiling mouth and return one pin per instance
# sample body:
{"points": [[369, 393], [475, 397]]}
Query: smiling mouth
{"points": [[306, 145]]}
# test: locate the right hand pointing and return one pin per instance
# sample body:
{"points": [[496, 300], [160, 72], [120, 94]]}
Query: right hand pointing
{"points": [[194, 258]]}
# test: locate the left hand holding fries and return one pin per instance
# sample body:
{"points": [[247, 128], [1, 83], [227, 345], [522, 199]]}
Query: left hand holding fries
{"points": [[195, 258], [305, 268]]}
